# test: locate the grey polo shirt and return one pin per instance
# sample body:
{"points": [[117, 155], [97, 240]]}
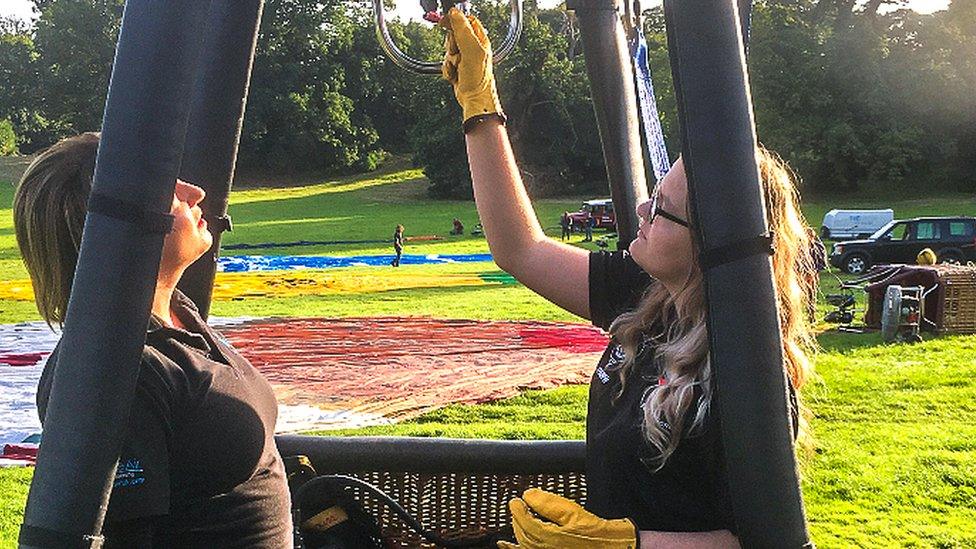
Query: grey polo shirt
{"points": [[199, 462]]}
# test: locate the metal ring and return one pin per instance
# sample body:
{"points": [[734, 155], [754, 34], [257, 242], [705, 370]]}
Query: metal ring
{"points": [[404, 61]]}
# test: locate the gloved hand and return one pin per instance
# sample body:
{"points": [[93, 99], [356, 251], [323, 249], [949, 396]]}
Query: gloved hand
{"points": [[467, 65], [547, 521]]}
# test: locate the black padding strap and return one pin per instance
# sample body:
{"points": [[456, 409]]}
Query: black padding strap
{"points": [[150, 221], [35, 536], [759, 245], [220, 224]]}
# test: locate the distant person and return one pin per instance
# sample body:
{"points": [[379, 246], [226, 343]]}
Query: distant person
{"points": [[926, 257], [458, 227], [818, 262], [588, 225], [566, 223], [199, 460], [397, 245]]}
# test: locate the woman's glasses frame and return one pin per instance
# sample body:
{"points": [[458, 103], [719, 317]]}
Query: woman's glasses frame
{"points": [[656, 210]]}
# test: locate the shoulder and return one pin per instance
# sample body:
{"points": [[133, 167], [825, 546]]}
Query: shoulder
{"points": [[158, 369], [181, 300], [160, 380], [618, 265], [616, 285]]}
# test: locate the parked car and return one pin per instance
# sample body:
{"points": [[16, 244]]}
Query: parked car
{"points": [[953, 239], [601, 210], [851, 224]]}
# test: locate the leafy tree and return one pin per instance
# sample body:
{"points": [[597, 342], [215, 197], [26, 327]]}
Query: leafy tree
{"points": [[855, 95], [298, 115], [8, 139], [543, 88], [16, 72], [75, 41]]}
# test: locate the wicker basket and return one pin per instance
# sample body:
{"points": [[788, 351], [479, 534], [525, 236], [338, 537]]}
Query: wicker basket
{"points": [[958, 296], [949, 309], [457, 488]]}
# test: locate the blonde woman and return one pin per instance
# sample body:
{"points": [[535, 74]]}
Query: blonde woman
{"points": [[655, 473]]}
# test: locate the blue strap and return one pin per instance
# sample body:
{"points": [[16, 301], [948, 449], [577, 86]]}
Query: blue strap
{"points": [[656, 149], [650, 119], [745, 21]]}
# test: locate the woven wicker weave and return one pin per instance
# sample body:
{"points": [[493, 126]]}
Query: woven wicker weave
{"points": [[958, 294], [949, 309], [458, 506], [457, 488]]}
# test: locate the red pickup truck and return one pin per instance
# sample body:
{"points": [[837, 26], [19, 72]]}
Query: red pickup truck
{"points": [[600, 209]]}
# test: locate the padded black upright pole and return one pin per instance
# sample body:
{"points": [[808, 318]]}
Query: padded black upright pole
{"points": [[719, 151], [216, 115], [611, 76], [105, 328]]}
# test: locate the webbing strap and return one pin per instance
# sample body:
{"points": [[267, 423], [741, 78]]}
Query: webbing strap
{"points": [[745, 22], [759, 245], [219, 224], [35, 536], [646, 104], [136, 214]]}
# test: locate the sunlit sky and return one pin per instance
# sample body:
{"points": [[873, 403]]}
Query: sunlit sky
{"points": [[411, 8]]}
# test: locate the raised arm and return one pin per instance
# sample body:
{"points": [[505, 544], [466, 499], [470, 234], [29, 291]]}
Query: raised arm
{"points": [[556, 271]]}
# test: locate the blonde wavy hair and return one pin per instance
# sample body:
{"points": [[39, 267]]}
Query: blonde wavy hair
{"points": [[681, 340]]}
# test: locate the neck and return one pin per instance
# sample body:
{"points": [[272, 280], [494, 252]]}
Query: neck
{"points": [[675, 287], [165, 286]]}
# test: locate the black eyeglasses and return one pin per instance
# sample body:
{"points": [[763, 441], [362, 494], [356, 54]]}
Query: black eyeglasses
{"points": [[656, 210]]}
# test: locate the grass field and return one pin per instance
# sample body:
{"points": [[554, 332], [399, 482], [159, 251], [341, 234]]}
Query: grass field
{"points": [[894, 463]]}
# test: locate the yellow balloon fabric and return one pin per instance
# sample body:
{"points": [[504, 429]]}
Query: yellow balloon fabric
{"points": [[542, 520], [230, 286], [467, 64]]}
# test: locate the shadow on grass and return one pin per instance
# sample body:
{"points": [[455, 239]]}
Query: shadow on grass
{"points": [[834, 341]]}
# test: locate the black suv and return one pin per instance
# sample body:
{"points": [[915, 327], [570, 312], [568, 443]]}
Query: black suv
{"points": [[953, 239]]}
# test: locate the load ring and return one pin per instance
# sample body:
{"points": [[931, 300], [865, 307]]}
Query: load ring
{"points": [[404, 61]]}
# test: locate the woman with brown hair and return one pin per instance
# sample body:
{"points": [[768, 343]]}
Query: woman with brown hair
{"points": [[198, 466], [654, 465]]}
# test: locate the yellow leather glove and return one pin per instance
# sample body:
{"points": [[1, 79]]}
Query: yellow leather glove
{"points": [[467, 65], [547, 521]]}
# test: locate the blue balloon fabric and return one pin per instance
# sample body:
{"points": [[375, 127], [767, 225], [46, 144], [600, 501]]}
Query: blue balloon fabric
{"points": [[256, 263]]}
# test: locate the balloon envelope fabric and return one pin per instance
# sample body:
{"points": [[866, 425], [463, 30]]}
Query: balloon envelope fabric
{"points": [[318, 282], [331, 373], [251, 263]]}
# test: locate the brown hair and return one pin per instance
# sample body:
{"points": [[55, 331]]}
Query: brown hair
{"points": [[49, 209], [682, 341]]}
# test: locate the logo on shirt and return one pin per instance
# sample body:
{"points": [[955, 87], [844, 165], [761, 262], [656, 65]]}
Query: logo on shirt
{"points": [[129, 473], [616, 358]]}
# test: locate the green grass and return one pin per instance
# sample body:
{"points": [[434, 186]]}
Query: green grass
{"points": [[368, 207], [13, 494], [894, 463]]}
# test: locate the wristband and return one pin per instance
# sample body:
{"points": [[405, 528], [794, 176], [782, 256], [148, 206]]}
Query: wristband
{"points": [[474, 121]]}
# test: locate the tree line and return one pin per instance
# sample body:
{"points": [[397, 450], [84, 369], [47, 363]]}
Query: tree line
{"points": [[857, 96]]}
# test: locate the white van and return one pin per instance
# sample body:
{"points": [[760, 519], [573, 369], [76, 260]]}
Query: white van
{"points": [[852, 224]]}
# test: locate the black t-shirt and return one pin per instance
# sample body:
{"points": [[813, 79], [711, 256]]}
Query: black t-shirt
{"points": [[690, 493], [199, 464]]}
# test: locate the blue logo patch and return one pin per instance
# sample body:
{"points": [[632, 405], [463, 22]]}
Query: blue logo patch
{"points": [[129, 473]]}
